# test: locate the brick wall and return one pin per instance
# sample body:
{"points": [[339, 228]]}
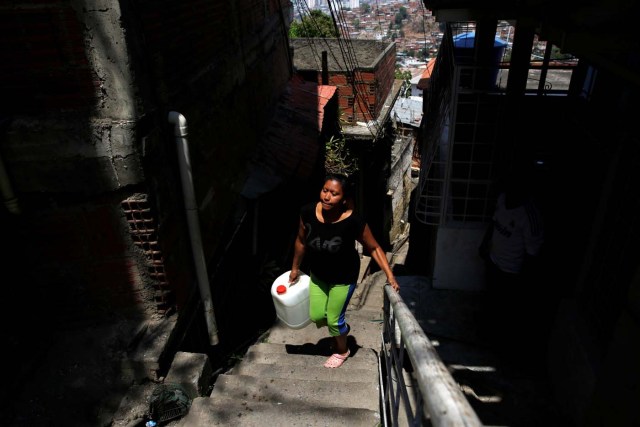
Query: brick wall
{"points": [[385, 76], [373, 67]]}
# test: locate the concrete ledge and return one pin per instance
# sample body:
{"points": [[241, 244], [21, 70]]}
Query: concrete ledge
{"points": [[301, 392], [146, 360], [134, 406], [192, 371]]}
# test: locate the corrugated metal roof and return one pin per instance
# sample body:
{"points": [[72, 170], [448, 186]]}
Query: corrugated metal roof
{"points": [[408, 111], [291, 144]]}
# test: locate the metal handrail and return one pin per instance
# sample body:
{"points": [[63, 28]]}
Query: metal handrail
{"points": [[437, 400]]}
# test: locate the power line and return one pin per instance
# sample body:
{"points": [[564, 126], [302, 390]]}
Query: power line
{"points": [[351, 64], [424, 29], [347, 54], [304, 8]]}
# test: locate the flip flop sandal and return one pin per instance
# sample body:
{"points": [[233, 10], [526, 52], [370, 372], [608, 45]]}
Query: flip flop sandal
{"points": [[336, 360]]}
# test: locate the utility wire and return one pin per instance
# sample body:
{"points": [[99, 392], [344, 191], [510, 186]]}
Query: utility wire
{"points": [[351, 64], [305, 12], [347, 53], [424, 29], [348, 59], [304, 9]]}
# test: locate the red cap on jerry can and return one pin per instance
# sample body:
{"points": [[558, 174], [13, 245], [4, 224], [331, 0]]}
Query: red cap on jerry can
{"points": [[281, 289]]}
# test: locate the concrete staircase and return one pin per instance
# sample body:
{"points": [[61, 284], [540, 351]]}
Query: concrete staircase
{"points": [[281, 380]]}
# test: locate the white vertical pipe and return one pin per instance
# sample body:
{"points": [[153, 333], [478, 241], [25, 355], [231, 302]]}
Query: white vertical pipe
{"points": [[193, 220]]}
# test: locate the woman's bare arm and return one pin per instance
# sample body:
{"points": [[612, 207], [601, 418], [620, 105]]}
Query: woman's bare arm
{"points": [[376, 252], [298, 254]]}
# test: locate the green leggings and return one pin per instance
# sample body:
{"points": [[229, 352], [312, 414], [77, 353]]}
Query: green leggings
{"points": [[328, 305]]}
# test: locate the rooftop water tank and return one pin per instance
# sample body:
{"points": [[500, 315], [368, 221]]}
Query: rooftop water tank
{"points": [[464, 43]]}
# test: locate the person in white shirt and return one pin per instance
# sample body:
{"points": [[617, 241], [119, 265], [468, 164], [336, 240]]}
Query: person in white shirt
{"points": [[515, 236], [516, 233], [511, 249]]}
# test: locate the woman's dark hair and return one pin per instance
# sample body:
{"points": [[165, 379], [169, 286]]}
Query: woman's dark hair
{"points": [[345, 182]]}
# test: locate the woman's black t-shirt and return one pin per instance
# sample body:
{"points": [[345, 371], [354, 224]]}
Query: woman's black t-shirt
{"points": [[330, 248]]}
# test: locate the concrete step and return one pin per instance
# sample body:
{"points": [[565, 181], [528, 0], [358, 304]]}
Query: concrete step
{"points": [[346, 373], [366, 328], [306, 356], [250, 411], [309, 392], [281, 381]]}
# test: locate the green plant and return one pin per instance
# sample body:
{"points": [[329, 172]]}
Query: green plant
{"points": [[338, 159], [316, 24]]}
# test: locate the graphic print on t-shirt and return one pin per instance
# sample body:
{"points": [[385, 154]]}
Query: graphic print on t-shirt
{"points": [[331, 245]]}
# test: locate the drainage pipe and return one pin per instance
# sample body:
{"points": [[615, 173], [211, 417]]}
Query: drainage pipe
{"points": [[193, 220], [10, 200]]}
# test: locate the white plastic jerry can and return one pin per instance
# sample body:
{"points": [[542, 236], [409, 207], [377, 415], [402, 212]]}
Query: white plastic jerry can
{"points": [[292, 300]]}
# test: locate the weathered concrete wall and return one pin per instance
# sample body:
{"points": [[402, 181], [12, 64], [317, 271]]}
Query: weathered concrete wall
{"points": [[72, 123], [223, 68], [400, 186], [85, 128], [71, 154], [70, 145]]}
